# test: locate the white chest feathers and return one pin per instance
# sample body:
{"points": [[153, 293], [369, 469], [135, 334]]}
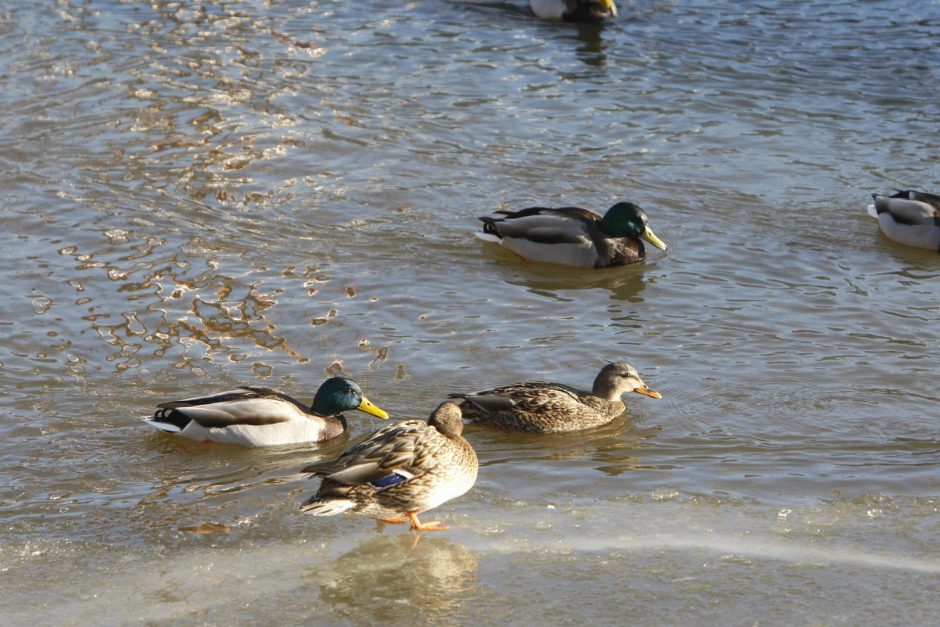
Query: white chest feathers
{"points": [[552, 9]]}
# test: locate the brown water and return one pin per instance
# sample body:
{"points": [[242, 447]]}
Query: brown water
{"points": [[200, 196]]}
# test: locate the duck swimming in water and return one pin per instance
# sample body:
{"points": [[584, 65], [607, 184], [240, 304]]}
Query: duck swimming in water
{"points": [[553, 407], [573, 236], [909, 217], [260, 416]]}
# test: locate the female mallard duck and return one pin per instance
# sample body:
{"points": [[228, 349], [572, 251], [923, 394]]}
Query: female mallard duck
{"points": [[574, 10], [400, 471], [553, 407], [259, 416], [573, 236], [909, 217]]}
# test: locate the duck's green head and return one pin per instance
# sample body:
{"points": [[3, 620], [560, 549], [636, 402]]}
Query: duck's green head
{"points": [[339, 394], [626, 219]]}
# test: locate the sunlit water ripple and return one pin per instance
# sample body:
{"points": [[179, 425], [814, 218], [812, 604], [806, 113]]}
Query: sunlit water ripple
{"points": [[201, 196]]}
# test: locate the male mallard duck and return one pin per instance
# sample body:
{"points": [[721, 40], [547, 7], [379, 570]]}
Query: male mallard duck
{"points": [[400, 471], [259, 416], [574, 236], [552, 407], [909, 217], [574, 10]]}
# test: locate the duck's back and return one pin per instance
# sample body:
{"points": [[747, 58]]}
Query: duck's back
{"points": [[540, 407]]}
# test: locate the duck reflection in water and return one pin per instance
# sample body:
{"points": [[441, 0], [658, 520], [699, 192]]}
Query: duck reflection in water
{"points": [[614, 448], [592, 50], [399, 579], [623, 284]]}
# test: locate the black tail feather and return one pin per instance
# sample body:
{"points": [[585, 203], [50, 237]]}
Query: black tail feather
{"points": [[489, 225]]}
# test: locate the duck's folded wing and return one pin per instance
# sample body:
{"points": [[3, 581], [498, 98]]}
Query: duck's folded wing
{"points": [[546, 228], [242, 393], [251, 411], [488, 402], [258, 391], [373, 474], [912, 194], [542, 396], [905, 211], [522, 396], [221, 397], [391, 448]]}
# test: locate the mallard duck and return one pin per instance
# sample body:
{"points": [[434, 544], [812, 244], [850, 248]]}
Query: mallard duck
{"points": [[574, 10], [260, 416], [400, 471], [574, 236], [909, 217], [553, 407]]}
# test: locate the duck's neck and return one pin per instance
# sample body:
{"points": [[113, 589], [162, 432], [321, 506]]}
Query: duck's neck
{"points": [[607, 390], [335, 426], [616, 251], [448, 430]]}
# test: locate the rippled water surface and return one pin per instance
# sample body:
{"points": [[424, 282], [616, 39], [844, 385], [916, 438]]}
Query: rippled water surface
{"points": [[197, 195]]}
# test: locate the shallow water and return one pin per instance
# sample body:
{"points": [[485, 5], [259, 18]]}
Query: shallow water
{"points": [[201, 196]]}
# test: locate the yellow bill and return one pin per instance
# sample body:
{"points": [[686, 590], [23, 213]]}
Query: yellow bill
{"points": [[650, 237], [370, 408]]}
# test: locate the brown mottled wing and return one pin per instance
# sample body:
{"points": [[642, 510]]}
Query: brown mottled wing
{"points": [[399, 446], [529, 397]]}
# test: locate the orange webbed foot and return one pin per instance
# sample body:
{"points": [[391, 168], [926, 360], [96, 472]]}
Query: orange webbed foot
{"points": [[417, 525]]}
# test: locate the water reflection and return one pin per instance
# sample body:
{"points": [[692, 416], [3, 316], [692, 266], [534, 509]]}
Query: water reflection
{"points": [[591, 51], [608, 445], [624, 284], [402, 579]]}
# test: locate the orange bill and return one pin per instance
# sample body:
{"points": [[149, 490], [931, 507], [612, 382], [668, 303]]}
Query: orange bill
{"points": [[645, 391]]}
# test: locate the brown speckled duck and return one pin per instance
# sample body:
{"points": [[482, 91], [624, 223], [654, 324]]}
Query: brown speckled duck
{"points": [[553, 407], [401, 471]]}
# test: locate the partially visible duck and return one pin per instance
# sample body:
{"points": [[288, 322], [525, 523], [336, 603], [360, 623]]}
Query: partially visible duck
{"points": [[553, 407], [260, 416], [402, 470], [909, 217], [574, 10], [573, 236]]}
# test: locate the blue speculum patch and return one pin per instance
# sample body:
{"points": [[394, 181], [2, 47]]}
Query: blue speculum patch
{"points": [[390, 480]]}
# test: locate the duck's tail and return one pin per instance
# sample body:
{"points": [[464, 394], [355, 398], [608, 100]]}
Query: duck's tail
{"points": [[489, 233], [326, 507], [157, 423]]}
